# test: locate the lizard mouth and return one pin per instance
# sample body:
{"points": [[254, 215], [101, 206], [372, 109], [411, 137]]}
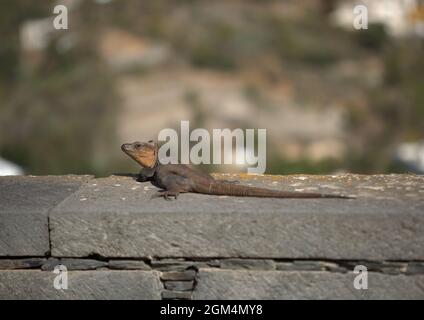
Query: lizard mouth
{"points": [[126, 147]]}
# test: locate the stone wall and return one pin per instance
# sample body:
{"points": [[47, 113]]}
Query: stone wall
{"points": [[117, 242]]}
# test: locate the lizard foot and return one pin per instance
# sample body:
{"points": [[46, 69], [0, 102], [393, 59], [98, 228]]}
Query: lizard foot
{"points": [[167, 195]]}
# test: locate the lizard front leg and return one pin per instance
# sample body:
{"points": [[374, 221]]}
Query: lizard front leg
{"points": [[173, 185], [145, 175], [142, 178], [166, 194]]}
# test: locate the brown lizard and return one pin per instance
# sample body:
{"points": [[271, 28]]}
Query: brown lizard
{"points": [[174, 179]]}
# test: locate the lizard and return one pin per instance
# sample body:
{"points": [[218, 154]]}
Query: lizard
{"points": [[174, 179]]}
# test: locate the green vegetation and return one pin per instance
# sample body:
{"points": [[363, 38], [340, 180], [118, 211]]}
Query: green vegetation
{"points": [[395, 112], [57, 117], [60, 116], [374, 38]]}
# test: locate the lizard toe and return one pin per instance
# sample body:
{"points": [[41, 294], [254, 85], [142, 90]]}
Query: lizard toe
{"points": [[169, 194]]}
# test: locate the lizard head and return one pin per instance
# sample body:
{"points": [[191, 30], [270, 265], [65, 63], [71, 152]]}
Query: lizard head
{"points": [[145, 154]]}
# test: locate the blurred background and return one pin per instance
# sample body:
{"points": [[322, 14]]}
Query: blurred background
{"points": [[332, 98]]}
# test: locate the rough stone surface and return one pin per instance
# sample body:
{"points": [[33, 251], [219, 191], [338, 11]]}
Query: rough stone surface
{"points": [[50, 264], [170, 295], [415, 268], [310, 265], [128, 265], [116, 217], [181, 264], [74, 264], [249, 284], [179, 275], [252, 264], [179, 285], [28, 263], [30, 284], [379, 266], [25, 202]]}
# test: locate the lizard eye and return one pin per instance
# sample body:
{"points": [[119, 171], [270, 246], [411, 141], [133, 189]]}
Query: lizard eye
{"points": [[138, 145]]}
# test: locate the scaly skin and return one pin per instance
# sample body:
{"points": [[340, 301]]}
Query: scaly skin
{"points": [[174, 179]]}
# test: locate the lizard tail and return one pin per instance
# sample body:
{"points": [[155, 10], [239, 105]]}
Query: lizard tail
{"points": [[230, 189]]}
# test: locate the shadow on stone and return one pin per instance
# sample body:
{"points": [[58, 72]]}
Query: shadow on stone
{"points": [[135, 176]]}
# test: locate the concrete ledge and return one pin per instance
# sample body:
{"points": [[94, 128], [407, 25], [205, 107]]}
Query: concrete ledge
{"points": [[25, 203], [27, 284], [119, 243], [116, 217], [230, 284]]}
